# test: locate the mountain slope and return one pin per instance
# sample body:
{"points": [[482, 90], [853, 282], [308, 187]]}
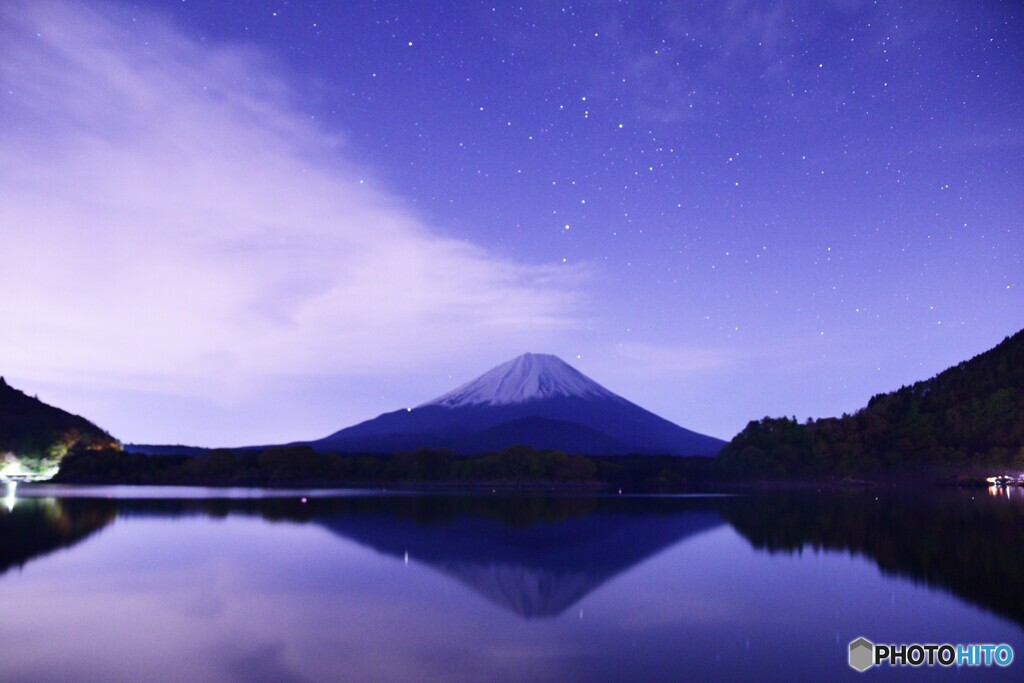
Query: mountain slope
{"points": [[535, 399], [36, 435], [966, 420]]}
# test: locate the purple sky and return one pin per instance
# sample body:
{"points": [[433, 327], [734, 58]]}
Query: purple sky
{"points": [[252, 222]]}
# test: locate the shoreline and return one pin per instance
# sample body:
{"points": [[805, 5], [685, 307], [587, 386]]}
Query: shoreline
{"points": [[595, 487]]}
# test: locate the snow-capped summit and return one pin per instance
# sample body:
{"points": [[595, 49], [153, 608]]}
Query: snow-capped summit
{"points": [[534, 399], [529, 377]]}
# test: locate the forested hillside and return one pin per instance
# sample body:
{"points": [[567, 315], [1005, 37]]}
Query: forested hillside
{"points": [[35, 436], [967, 420]]}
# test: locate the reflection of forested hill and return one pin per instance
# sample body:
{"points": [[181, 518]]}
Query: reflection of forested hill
{"points": [[39, 526], [971, 545], [968, 419], [533, 555], [536, 564]]}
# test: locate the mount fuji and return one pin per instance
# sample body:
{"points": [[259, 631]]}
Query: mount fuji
{"points": [[535, 399]]}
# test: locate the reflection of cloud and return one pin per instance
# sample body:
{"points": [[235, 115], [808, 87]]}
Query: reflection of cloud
{"points": [[167, 211]]}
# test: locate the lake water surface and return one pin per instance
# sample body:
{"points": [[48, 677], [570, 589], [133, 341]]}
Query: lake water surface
{"points": [[189, 585]]}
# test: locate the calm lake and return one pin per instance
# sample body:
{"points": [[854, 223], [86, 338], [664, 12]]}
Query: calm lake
{"points": [[131, 584]]}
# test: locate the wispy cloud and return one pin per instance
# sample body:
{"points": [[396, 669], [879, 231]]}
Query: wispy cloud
{"points": [[168, 211]]}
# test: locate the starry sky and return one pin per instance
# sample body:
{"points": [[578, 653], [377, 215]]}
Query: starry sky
{"points": [[251, 222]]}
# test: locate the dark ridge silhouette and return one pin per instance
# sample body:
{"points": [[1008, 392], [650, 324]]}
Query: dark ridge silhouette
{"points": [[170, 449]]}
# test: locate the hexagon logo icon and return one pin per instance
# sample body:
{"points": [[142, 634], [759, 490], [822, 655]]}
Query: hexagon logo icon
{"points": [[862, 654]]}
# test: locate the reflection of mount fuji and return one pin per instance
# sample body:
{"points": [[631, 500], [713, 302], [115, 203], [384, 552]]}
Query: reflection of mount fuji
{"points": [[534, 569]]}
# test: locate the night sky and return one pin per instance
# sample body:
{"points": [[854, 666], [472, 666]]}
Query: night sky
{"points": [[250, 222]]}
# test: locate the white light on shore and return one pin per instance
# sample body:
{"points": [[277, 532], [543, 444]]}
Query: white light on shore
{"points": [[13, 470]]}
